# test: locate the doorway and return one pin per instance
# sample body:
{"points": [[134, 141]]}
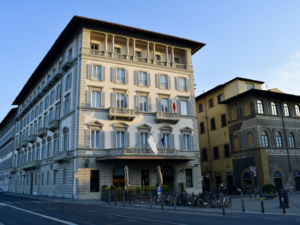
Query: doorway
{"points": [[229, 181], [168, 175], [297, 183], [118, 176], [145, 177], [218, 181], [278, 183], [31, 183]]}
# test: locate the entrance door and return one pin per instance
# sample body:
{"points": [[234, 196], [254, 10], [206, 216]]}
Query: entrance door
{"points": [[206, 186], [118, 176], [218, 181], [278, 183], [145, 177], [31, 183], [168, 175], [297, 183], [229, 181]]}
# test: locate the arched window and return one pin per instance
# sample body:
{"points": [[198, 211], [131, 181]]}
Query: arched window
{"points": [[250, 140], [291, 140], [273, 107], [237, 146], [297, 110], [265, 141], [246, 106], [118, 176], [278, 140], [260, 108], [286, 109], [233, 113]]}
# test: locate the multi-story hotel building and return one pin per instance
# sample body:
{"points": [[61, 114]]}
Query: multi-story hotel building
{"points": [[90, 106]]}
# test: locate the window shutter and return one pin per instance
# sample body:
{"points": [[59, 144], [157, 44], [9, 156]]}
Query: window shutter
{"points": [[127, 134], [127, 100], [126, 77], [157, 81], [114, 72], [158, 107], [160, 136], [172, 141], [176, 83], [114, 100], [66, 82], [178, 107], [137, 103], [192, 143], [114, 139], [188, 85], [103, 73], [102, 139], [64, 108], [89, 71], [149, 104], [70, 81], [88, 95], [170, 105], [136, 78], [181, 141], [189, 105], [138, 139], [68, 142], [169, 82], [148, 80], [102, 94]]}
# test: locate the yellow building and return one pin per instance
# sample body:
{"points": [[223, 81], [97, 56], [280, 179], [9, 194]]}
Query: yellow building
{"points": [[214, 138]]}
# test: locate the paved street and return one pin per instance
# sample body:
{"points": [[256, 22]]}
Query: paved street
{"points": [[18, 209]]}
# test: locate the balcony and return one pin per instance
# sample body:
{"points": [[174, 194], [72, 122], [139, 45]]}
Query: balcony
{"points": [[169, 117], [32, 138], [24, 143], [67, 62], [120, 113], [18, 147], [42, 132], [31, 165], [13, 170], [53, 125], [142, 151], [63, 156]]}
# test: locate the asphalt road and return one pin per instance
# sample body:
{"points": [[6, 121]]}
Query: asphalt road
{"points": [[15, 210]]}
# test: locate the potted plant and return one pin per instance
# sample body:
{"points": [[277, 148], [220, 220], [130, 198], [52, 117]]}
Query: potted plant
{"points": [[269, 191]]}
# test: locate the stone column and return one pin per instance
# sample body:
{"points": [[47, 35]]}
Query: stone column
{"points": [[127, 48], [172, 57], [167, 61], [133, 47], [154, 59], [112, 45], [105, 45], [148, 53]]}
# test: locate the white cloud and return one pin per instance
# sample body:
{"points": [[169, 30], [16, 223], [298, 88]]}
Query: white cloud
{"points": [[285, 77]]}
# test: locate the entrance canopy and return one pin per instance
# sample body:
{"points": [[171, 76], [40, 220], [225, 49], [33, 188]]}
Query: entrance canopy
{"points": [[179, 158]]}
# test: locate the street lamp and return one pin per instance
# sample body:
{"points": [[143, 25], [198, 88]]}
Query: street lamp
{"points": [[87, 162]]}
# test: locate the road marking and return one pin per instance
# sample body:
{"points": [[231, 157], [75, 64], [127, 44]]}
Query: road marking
{"points": [[37, 214], [269, 219], [130, 217]]}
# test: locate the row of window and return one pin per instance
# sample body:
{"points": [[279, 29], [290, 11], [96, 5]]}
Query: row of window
{"points": [[286, 110], [213, 124], [21, 179], [119, 75], [216, 152]]}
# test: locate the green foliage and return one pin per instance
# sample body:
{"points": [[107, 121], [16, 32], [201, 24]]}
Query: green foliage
{"points": [[171, 185], [120, 188], [182, 186], [104, 188], [269, 189], [113, 187]]}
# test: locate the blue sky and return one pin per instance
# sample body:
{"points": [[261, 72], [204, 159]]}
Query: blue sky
{"points": [[252, 39]]}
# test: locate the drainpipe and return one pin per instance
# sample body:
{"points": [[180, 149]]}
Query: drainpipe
{"points": [[287, 144]]}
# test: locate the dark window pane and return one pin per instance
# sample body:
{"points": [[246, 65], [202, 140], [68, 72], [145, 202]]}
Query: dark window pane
{"points": [[216, 152], [223, 118], [189, 178], [204, 155], [202, 130], [227, 150], [213, 124]]}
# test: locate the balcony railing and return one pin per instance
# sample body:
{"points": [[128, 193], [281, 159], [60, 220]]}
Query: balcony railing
{"points": [[115, 113], [24, 143], [63, 156], [166, 117], [31, 165], [132, 58], [32, 138], [18, 147], [142, 152], [42, 132], [120, 80], [67, 62], [53, 125]]}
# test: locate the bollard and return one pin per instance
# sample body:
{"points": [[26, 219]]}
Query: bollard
{"points": [[162, 201], [150, 200], [116, 199], [242, 197], [283, 204], [222, 202], [262, 203], [174, 200], [109, 198], [123, 198]]}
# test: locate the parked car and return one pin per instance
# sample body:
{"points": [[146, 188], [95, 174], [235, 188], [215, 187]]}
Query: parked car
{"points": [[234, 189], [0, 191]]}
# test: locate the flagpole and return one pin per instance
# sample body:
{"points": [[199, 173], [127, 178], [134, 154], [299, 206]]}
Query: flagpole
{"points": [[147, 140], [160, 141]]}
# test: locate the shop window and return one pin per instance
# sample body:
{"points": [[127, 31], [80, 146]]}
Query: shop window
{"points": [[94, 183]]}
